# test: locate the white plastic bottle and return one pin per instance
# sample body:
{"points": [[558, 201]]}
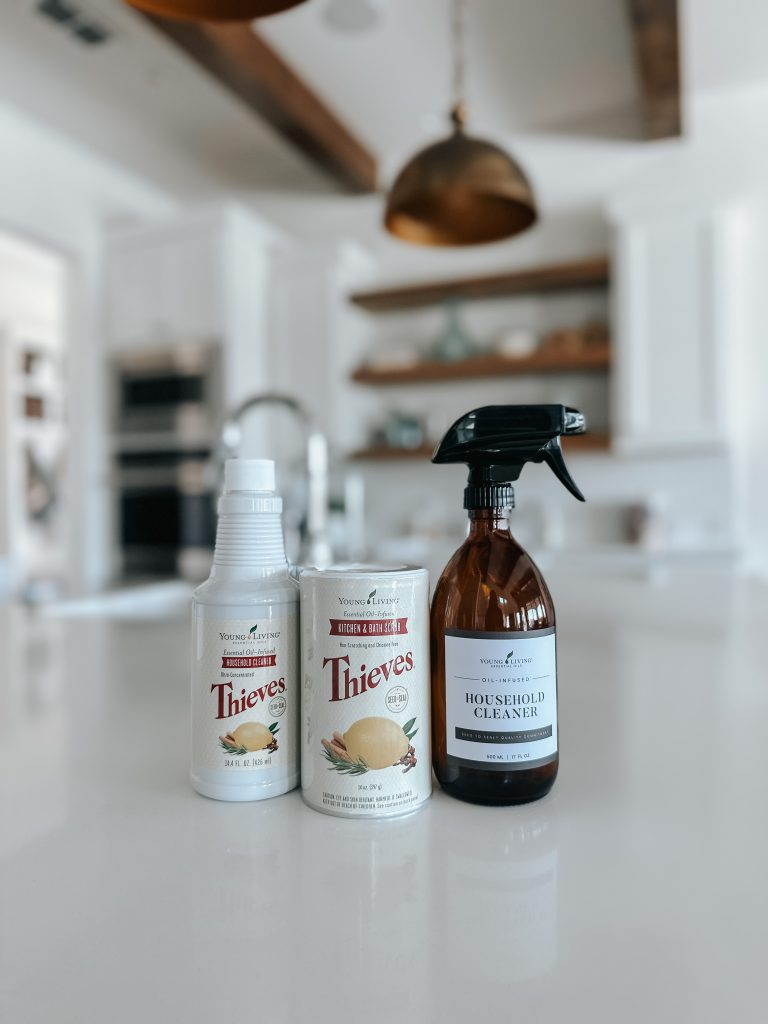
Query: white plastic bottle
{"points": [[245, 648]]}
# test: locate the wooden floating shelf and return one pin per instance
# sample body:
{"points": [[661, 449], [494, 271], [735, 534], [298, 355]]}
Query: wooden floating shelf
{"points": [[597, 357], [597, 442], [560, 277], [383, 453]]}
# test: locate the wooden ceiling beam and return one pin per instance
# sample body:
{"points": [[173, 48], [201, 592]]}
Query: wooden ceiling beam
{"points": [[656, 39], [249, 68]]}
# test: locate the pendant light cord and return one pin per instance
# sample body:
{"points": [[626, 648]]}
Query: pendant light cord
{"points": [[458, 34]]}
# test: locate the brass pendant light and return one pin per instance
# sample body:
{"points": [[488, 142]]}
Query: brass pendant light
{"points": [[214, 10], [462, 190]]}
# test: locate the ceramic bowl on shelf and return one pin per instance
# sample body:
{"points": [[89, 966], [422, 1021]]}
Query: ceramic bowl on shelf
{"points": [[517, 342], [398, 431]]}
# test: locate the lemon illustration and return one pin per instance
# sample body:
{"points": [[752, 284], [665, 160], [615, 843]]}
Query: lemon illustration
{"points": [[252, 736], [379, 742]]}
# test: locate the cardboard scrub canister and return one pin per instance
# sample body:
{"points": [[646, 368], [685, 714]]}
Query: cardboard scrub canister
{"points": [[365, 714]]}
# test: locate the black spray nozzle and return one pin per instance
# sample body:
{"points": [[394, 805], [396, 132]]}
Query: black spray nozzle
{"points": [[497, 440]]}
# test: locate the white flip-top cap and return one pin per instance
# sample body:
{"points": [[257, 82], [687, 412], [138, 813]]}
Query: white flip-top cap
{"points": [[249, 475]]}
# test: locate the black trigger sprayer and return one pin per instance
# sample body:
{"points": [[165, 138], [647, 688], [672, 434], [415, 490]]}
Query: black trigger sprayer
{"points": [[497, 441]]}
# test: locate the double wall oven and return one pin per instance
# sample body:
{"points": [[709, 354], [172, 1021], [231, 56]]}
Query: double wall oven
{"points": [[167, 414]]}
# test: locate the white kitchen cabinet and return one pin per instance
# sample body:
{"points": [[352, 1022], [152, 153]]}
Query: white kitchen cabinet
{"points": [[191, 272], [133, 293], [673, 360], [167, 284], [319, 336], [202, 278]]}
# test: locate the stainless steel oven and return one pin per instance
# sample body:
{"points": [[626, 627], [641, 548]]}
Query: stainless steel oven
{"points": [[173, 393], [166, 514], [167, 412]]}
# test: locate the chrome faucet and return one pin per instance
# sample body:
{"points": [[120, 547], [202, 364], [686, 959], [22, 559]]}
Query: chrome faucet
{"points": [[315, 547]]}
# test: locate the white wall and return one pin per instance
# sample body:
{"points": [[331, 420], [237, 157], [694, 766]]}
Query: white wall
{"points": [[750, 335], [712, 488], [63, 197], [404, 498]]}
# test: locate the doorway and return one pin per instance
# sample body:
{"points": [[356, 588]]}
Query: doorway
{"points": [[34, 431]]}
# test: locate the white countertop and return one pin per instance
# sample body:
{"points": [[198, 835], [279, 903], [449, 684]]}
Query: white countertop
{"points": [[635, 892]]}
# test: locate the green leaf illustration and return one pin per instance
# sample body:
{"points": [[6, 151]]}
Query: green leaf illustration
{"points": [[410, 735], [409, 725], [371, 596], [274, 728], [338, 764], [253, 629], [231, 748]]}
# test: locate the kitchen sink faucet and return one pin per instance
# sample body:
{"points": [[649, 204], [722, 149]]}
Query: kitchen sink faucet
{"points": [[315, 547]]}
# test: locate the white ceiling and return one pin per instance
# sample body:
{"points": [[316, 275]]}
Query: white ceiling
{"points": [[725, 44], [535, 67], [142, 103], [552, 79], [532, 65]]}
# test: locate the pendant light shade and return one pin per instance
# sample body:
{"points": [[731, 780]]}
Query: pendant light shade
{"points": [[214, 10], [461, 191]]}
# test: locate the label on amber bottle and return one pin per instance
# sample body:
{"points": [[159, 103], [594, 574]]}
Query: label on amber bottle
{"points": [[501, 698], [245, 693]]}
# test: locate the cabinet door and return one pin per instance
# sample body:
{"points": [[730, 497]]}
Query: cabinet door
{"points": [[191, 301], [671, 371], [165, 287], [134, 294]]}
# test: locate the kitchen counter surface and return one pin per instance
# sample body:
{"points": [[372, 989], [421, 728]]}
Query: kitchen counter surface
{"points": [[635, 892]]}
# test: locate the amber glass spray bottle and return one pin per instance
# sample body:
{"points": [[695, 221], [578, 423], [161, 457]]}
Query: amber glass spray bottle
{"points": [[494, 674]]}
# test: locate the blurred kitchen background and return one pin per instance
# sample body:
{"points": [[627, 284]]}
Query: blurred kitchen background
{"points": [[193, 263]]}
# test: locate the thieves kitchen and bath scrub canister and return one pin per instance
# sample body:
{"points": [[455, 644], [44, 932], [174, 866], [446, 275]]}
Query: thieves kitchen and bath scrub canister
{"points": [[245, 648], [494, 674], [365, 698]]}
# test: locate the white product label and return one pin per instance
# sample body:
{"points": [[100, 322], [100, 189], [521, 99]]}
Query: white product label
{"points": [[501, 697], [365, 708], [245, 693]]}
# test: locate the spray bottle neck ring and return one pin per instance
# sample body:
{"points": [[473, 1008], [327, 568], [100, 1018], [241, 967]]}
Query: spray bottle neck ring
{"points": [[490, 486], [489, 495]]}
